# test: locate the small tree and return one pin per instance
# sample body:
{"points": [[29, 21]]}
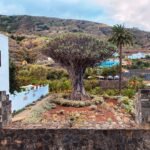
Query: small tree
{"points": [[76, 52], [14, 85], [121, 37]]}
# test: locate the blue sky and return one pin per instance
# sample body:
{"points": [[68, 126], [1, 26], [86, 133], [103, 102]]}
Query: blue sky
{"points": [[132, 13]]}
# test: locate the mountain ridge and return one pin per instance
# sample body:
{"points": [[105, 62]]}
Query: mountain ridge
{"points": [[21, 29]]}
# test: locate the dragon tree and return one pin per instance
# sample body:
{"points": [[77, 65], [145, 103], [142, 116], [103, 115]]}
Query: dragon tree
{"points": [[76, 52]]}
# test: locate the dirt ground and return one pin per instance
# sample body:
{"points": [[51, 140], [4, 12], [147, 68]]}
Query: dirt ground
{"points": [[107, 115]]}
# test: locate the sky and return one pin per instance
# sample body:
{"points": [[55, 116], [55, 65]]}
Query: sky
{"points": [[131, 13]]}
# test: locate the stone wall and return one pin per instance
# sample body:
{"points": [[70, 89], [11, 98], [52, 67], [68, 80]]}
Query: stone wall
{"points": [[74, 139], [112, 84], [143, 107], [5, 109]]}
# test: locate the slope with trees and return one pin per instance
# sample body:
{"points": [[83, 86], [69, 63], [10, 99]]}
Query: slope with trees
{"points": [[25, 28]]}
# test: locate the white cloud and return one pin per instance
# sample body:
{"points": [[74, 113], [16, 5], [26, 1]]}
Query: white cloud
{"points": [[131, 12]]}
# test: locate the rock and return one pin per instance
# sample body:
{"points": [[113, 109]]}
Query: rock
{"points": [[121, 123], [126, 120], [118, 118], [77, 115], [115, 107], [61, 112], [53, 106], [114, 123], [97, 126], [109, 120], [93, 107]]}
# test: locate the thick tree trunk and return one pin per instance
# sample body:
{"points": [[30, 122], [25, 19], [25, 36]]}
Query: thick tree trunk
{"points": [[120, 69], [78, 90]]}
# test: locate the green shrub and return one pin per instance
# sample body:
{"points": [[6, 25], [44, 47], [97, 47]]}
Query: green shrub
{"points": [[59, 85], [135, 83], [64, 85], [128, 92], [139, 64], [90, 72], [91, 84], [110, 71], [23, 72], [96, 91], [57, 74], [111, 92], [38, 72], [127, 104]]}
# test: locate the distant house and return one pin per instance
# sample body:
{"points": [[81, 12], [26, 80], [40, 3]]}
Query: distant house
{"points": [[4, 64], [138, 55]]}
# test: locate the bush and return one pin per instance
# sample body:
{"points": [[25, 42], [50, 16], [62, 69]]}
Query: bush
{"points": [[59, 85], [56, 74], [91, 84], [91, 72], [24, 72], [111, 92], [139, 64], [96, 91], [128, 92], [127, 104], [64, 85], [13, 78], [32, 74], [38, 72], [135, 83], [110, 71]]}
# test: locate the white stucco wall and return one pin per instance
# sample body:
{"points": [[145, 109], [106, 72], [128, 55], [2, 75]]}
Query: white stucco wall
{"points": [[4, 68], [22, 99]]}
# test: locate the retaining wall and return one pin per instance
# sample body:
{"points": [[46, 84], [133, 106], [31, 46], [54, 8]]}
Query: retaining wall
{"points": [[142, 107], [74, 139], [112, 84], [5, 109]]}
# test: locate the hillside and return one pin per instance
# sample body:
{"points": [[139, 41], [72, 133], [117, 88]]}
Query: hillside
{"points": [[28, 32]]}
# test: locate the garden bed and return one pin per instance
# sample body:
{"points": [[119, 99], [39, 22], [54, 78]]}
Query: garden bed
{"points": [[108, 114]]}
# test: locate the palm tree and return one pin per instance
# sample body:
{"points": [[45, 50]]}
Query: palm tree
{"points": [[121, 37]]}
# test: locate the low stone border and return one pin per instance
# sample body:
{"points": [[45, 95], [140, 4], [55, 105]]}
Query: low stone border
{"points": [[65, 102]]}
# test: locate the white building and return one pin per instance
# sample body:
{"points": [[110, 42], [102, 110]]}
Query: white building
{"points": [[4, 64], [137, 56], [21, 99]]}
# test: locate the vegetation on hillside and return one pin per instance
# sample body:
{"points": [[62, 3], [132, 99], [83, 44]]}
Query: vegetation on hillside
{"points": [[22, 29]]}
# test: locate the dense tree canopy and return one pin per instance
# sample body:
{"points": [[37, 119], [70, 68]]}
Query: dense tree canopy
{"points": [[76, 52]]}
